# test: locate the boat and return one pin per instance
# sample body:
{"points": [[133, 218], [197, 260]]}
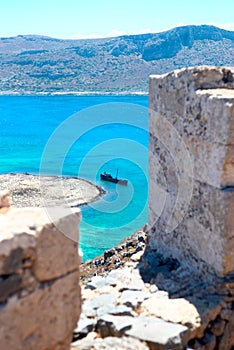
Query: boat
{"points": [[108, 177]]}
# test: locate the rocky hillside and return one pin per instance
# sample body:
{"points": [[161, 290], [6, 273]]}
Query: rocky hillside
{"points": [[36, 64]]}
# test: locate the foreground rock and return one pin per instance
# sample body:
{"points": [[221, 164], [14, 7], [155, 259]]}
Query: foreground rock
{"points": [[39, 279], [35, 191], [148, 303]]}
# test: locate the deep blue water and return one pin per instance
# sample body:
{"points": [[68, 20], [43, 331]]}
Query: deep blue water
{"points": [[84, 136]]}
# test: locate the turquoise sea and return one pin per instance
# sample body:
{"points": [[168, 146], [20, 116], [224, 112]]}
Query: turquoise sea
{"points": [[84, 136]]}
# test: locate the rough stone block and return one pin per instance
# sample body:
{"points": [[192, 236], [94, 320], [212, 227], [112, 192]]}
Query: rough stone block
{"points": [[158, 333], [39, 280]]}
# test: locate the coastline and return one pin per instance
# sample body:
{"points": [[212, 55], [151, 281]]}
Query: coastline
{"points": [[74, 93], [28, 190], [128, 251]]}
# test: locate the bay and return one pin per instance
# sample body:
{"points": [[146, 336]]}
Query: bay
{"points": [[84, 136]]}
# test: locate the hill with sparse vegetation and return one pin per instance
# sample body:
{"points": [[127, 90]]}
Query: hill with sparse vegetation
{"points": [[35, 64]]}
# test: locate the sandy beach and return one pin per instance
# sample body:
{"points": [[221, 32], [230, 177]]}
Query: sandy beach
{"points": [[39, 191]]}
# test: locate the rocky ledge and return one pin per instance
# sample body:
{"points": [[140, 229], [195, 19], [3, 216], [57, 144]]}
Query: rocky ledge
{"points": [[133, 300], [129, 250], [39, 191]]}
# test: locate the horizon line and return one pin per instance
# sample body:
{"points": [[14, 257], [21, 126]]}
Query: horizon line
{"points": [[118, 33]]}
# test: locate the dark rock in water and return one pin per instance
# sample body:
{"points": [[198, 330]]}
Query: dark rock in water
{"points": [[129, 243], [118, 249], [109, 253], [97, 262]]}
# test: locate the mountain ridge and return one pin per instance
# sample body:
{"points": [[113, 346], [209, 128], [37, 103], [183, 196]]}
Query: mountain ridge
{"points": [[34, 64]]}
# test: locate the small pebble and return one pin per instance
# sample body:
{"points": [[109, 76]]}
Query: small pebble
{"points": [[153, 288], [32, 226]]}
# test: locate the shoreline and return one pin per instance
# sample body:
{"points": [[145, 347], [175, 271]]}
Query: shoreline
{"points": [[30, 190], [128, 251], [75, 93]]}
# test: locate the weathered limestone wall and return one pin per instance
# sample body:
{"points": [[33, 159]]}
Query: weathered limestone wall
{"points": [[193, 109], [39, 280]]}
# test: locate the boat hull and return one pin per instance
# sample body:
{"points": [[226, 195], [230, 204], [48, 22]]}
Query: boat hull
{"points": [[109, 178]]}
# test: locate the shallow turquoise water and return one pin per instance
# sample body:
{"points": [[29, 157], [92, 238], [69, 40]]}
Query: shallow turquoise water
{"points": [[87, 135]]}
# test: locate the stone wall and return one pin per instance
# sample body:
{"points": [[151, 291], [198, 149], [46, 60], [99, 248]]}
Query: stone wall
{"points": [[192, 168], [39, 279]]}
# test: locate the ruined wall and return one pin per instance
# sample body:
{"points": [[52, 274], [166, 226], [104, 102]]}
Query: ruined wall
{"points": [[39, 279], [192, 167]]}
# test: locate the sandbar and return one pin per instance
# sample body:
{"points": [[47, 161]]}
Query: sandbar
{"points": [[28, 190]]}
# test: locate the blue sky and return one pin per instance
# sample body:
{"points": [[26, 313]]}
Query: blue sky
{"points": [[100, 18]]}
